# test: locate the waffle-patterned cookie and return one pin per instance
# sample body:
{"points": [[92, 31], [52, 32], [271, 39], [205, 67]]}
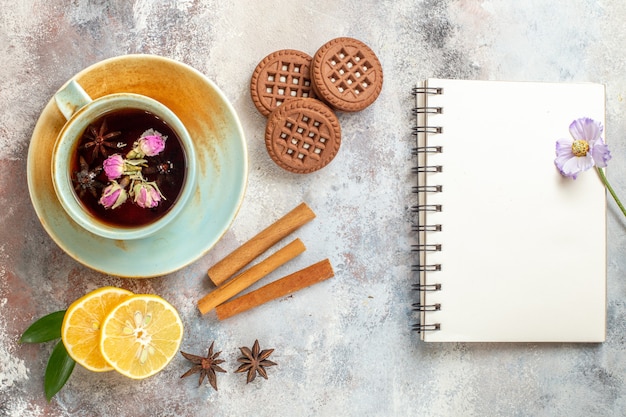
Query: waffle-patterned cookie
{"points": [[302, 135], [280, 76], [347, 74]]}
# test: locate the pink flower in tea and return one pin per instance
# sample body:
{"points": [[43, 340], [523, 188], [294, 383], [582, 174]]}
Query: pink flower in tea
{"points": [[150, 143], [146, 194], [113, 195], [113, 166]]}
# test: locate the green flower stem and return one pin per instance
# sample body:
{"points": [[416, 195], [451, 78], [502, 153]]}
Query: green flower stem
{"points": [[611, 190]]}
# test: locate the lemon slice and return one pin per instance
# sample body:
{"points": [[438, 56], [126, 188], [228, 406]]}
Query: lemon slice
{"points": [[80, 330], [141, 335]]}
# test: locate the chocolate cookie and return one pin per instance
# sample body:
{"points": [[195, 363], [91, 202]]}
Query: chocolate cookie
{"points": [[302, 135], [280, 76], [347, 74]]}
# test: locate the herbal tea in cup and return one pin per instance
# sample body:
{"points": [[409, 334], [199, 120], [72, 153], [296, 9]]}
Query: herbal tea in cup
{"points": [[123, 166]]}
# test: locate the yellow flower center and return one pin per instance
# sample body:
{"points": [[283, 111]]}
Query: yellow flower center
{"points": [[580, 147]]}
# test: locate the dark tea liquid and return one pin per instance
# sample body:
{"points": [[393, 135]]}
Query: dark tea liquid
{"points": [[167, 169]]}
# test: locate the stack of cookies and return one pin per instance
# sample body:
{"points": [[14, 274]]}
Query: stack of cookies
{"points": [[299, 94]]}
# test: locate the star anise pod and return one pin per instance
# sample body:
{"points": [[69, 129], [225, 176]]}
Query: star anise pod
{"points": [[205, 366], [85, 179], [99, 140], [162, 170], [254, 361]]}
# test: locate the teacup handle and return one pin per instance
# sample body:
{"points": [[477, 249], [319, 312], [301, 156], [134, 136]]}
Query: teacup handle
{"points": [[71, 98]]}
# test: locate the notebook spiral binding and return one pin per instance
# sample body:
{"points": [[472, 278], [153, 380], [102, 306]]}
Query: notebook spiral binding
{"points": [[420, 132]]}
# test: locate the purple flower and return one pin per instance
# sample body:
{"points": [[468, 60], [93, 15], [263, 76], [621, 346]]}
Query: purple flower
{"points": [[113, 166], [113, 195], [583, 150], [146, 194]]}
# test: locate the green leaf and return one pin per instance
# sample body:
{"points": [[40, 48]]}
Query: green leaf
{"points": [[59, 368], [45, 329]]}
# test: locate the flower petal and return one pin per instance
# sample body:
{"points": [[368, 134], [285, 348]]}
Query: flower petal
{"points": [[569, 169], [564, 143], [600, 153], [586, 129], [577, 165], [563, 154], [564, 147]]}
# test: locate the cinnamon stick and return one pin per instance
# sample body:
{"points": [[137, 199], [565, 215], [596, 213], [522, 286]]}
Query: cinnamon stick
{"points": [[279, 288], [250, 276], [264, 240]]}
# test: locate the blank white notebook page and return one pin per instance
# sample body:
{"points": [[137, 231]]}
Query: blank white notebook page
{"points": [[523, 249]]}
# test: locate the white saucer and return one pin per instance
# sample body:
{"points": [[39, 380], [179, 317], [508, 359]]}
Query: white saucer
{"points": [[222, 169]]}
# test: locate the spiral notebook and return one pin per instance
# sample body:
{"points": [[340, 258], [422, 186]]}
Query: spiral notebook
{"points": [[506, 249]]}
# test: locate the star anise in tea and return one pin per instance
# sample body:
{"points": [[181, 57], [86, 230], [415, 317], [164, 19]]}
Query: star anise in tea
{"points": [[254, 361], [99, 140], [85, 179], [163, 170], [206, 366]]}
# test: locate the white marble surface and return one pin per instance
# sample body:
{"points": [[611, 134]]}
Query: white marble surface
{"points": [[344, 347]]}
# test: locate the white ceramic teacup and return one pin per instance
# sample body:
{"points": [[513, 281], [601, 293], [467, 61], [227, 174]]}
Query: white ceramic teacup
{"points": [[81, 111]]}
